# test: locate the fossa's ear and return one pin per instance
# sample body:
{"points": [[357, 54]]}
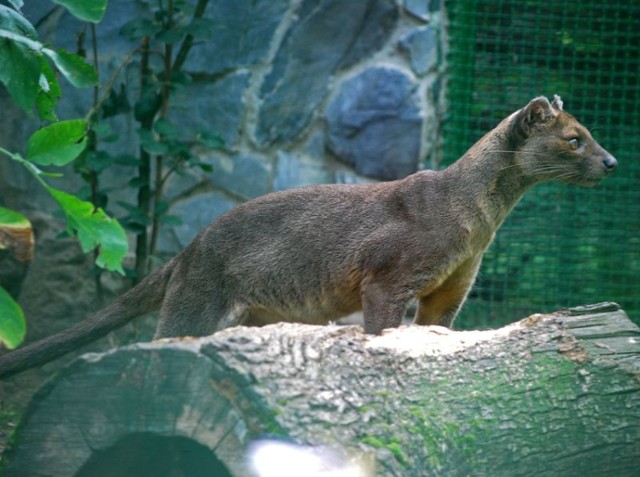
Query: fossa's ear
{"points": [[557, 102], [538, 111]]}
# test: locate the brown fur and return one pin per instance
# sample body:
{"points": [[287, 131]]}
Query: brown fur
{"points": [[315, 254]]}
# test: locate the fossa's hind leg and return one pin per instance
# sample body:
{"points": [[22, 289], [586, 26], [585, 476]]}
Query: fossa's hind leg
{"points": [[191, 314], [382, 308]]}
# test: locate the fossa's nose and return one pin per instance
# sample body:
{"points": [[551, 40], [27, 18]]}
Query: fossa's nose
{"points": [[610, 162]]}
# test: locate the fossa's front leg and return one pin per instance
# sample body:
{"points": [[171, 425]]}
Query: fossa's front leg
{"points": [[441, 306]]}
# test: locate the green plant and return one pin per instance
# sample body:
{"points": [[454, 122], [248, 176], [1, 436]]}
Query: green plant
{"points": [[163, 38], [27, 71], [161, 41]]}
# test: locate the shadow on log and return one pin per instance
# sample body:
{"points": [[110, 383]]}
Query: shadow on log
{"points": [[550, 395]]}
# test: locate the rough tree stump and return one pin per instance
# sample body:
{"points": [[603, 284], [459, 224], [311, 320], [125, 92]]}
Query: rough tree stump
{"points": [[554, 395]]}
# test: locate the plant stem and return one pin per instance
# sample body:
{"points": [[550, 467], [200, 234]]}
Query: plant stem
{"points": [[109, 84], [170, 67], [146, 242], [144, 174], [181, 57], [93, 178], [10, 154], [164, 109]]}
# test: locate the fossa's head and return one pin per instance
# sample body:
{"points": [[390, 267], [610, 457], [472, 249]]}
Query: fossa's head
{"points": [[552, 145]]}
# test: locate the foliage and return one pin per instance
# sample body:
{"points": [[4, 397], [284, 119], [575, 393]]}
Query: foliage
{"points": [[161, 40], [12, 324], [59, 144], [26, 66], [89, 11], [27, 71]]}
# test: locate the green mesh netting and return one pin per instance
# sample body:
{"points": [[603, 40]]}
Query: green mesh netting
{"points": [[562, 245]]}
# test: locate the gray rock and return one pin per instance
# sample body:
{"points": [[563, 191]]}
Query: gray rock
{"points": [[380, 20], [348, 176], [315, 145], [327, 34], [418, 8], [374, 123], [215, 107], [241, 34], [297, 171], [420, 46], [245, 175], [196, 213]]}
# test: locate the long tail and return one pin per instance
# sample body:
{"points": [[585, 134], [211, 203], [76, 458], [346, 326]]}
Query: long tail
{"points": [[143, 298]]}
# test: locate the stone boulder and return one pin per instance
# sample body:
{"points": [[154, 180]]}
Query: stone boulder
{"points": [[374, 123], [326, 36]]}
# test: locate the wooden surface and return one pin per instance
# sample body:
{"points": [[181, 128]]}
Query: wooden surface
{"points": [[549, 395]]}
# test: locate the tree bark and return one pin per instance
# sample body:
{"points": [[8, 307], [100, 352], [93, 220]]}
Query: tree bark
{"points": [[550, 395]]}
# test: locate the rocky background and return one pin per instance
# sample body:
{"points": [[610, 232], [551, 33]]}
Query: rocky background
{"points": [[300, 91]]}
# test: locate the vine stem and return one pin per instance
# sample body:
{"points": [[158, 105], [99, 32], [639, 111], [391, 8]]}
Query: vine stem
{"points": [[93, 175], [146, 242], [170, 67], [164, 109], [181, 57], [144, 173]]}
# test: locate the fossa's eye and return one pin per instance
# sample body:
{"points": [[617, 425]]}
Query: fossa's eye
{"points": [[574, 142]]}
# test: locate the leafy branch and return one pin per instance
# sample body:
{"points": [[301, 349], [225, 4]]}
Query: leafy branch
{"points": [[26, 70], [158, 136], [163, 39]]}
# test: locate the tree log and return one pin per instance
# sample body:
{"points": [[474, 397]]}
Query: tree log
{"points": [[550, 395]]}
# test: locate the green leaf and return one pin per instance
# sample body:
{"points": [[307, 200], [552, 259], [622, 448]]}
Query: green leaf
{"points": [[99, 161], [53, 175], [171, 36], [202, 29], [150, 143], [166, 128], [171, 220], [14, 21], [148, 105], [49, 93], [86, 10], [94, 228], [127, 160], [17, 4], [79, 73], [180, 78], [11, 218], [16, 234], [131, 208], [19, 70], [205, 167], [138, 28], [116, 103], [12, 324], [28, 78], [19, 63], [210, 139], [161, 207], [137, 183], [58, 143]]}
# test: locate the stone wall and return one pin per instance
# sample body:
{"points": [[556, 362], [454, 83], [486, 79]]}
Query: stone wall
{"points": [[312, 92], [301, 92]]}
